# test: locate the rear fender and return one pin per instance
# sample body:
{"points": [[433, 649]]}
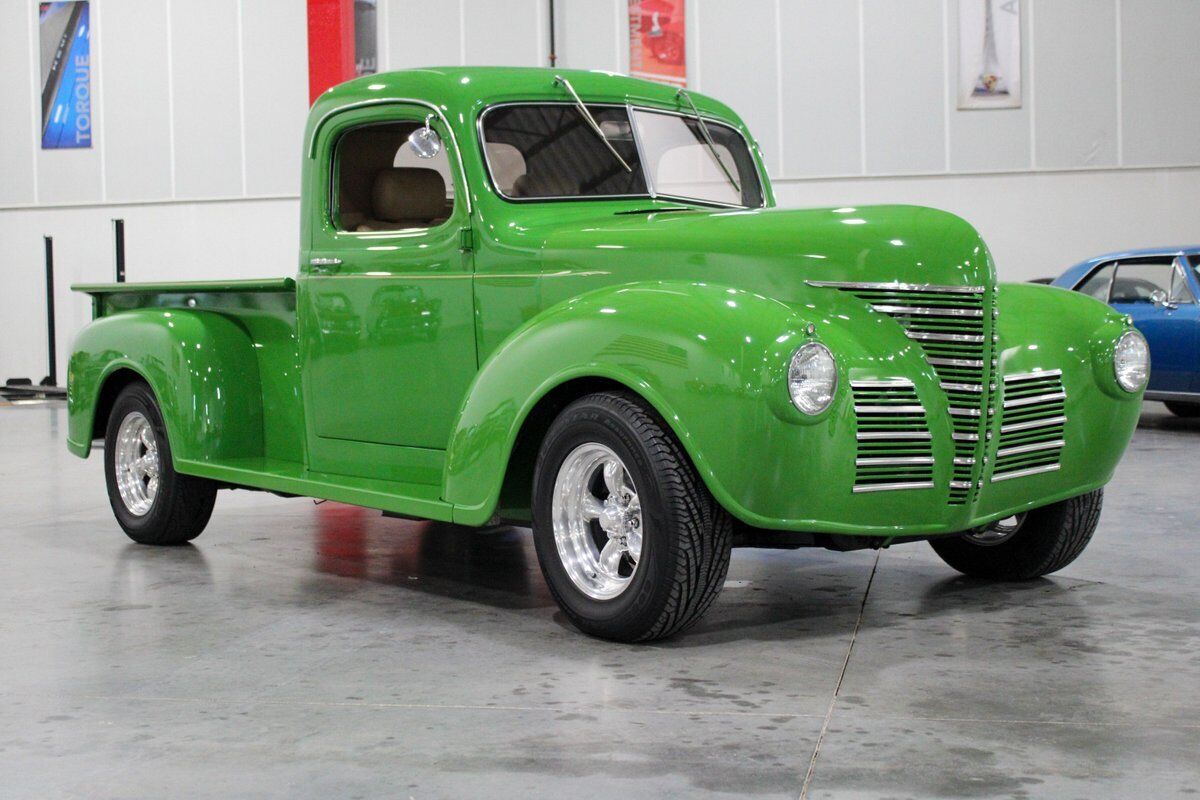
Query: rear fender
{"points": [[200, 365]]}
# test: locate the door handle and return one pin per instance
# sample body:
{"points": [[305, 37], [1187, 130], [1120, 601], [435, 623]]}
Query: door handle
{"points": [[325, 266]]}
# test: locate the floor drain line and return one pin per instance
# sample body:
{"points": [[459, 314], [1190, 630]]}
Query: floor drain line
{"points": [[837, 689]]}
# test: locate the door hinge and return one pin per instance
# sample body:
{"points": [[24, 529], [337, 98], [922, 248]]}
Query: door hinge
{"points": [[466, 240]]}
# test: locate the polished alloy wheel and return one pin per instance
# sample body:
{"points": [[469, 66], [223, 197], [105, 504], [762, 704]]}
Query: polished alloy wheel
{"points": [[998, 532], [597, 521], [136, 463]]}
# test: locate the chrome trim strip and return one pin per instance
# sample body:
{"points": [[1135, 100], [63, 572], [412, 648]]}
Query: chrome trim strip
{"points": [[964, 412], [1028, 376], [963, 387], [964, 462], [899, 287], [1193, 397], [886, 383], [965, 437], [892, 487], [1057, 444], [889, 409], [886, 461], [944, 337], [960, 484], [1035, 399], [1021, 473], [928, 311], [874, 436], [1037, 423], [954, 362]]}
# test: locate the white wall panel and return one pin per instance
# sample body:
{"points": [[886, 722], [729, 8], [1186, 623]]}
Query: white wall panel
{"points": [[591, 34], [905, 86], [276, 94], [207, 118], [506, 32], [1160, 87], [1076, 119], [822, 112], [737, 48], [137, 112], [982, 140], [20, 115], [415, 38]]}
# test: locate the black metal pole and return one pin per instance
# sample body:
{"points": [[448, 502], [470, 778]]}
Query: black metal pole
{"points": [[52, 375], [553, 55], [119, 248]]}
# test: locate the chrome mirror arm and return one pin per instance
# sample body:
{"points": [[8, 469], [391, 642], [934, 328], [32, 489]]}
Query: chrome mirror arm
{"points": [[591, 121]]}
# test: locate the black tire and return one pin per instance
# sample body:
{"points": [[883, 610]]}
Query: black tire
{"points": [[686, 534], [182, 504], [1049, 539], [1187, 410]]}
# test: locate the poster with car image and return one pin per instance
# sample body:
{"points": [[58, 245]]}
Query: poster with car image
{"points": [[989, 54], [64, 32], [657, 39]]}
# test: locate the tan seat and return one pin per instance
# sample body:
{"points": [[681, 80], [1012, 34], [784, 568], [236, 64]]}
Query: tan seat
{"points": [[406, 197]]}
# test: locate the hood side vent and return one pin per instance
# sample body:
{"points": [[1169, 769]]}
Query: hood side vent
{"points": [[1032, 422]]}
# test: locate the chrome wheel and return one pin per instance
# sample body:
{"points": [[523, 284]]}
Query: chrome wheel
{"points": [[597, 521], [998, 532], [135, 462]]}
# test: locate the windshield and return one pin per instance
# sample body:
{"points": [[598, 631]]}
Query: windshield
{"points": [[549, 151]]}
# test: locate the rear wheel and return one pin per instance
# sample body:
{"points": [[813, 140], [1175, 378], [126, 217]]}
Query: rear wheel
{"points": [[1183, 409], [1028, 545], [631, 543], [153, 503]]}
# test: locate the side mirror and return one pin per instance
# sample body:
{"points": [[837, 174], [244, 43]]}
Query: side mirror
{"points": [[1160, 299], [424, 141]]}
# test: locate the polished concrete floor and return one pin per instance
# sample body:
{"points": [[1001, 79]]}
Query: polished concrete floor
{"points": [[321, 651]]}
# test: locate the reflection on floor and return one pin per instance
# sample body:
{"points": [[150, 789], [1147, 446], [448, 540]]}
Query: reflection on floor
{"points": [[299, 650]]}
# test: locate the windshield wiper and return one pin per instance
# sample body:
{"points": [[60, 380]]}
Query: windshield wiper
{"points": [[587, 115], [712, 148]]}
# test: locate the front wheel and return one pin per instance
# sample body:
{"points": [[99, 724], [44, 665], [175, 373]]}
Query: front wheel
{"points": [[1028, 545], [632, 545], [153, 503], [1183, 409]]}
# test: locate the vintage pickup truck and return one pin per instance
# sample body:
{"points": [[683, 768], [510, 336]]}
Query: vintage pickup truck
{"points": [[568, 298]]}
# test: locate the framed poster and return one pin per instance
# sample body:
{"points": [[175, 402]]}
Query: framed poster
{"points": [[657, 39], [64, 33], [366, 38], [989, 54]]}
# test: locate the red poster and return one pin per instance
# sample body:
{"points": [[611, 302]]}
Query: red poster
{"points": [[656, 41]]}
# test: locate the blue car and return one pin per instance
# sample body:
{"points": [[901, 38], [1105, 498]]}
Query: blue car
{"points": [[1159, 288]]}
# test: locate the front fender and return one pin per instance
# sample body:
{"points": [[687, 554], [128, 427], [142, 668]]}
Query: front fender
{"points": [[201, 366], [702, 355]]}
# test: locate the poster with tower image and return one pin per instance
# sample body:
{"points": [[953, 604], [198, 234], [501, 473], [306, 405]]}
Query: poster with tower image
{"points": [[989, 54]]}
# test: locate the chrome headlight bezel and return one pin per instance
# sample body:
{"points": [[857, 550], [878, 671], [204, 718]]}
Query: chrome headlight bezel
{"points": [[812, 394], [1131, 361]]}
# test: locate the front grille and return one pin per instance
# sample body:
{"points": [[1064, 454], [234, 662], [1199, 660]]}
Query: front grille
{"points": [[950, 325], [895, 449], [1032, 422]]}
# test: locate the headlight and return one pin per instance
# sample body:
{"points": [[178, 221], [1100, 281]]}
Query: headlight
{"points": [[812, 378], [1131, 361]]}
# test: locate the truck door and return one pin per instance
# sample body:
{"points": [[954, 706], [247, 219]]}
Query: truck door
{"points": [[385, 316]]}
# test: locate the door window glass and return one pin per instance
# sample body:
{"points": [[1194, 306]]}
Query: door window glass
{"points": [[1096, 285], [1136, 281], [382, 185]]}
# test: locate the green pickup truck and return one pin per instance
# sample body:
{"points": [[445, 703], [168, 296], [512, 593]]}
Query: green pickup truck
{"points": [[568, 299]]}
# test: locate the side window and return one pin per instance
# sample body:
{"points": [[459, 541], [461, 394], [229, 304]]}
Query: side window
{"points": [[1096, 284], [382, 185], [1136, 281]]}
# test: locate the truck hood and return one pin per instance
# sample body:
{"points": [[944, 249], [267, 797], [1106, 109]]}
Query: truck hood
{"points": [[776, 252]]}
